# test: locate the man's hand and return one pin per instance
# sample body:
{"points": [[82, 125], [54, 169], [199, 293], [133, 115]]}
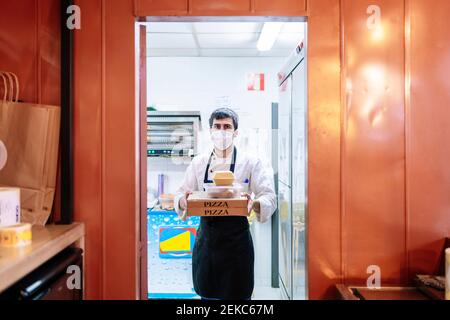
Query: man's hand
{"points": [[254, 205], [183, 205], [257, 206], [249, 201]]}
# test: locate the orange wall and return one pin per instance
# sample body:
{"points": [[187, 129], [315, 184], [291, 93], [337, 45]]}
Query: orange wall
{"points": [[378, 133], [428, 133], [373, 153], [392, 125], [324, 162]]}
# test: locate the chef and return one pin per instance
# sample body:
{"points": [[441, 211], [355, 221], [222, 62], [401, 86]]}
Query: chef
{"points": [[223, 255]]}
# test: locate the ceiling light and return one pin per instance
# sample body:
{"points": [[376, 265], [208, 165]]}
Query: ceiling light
{"points": [[269, 35]]}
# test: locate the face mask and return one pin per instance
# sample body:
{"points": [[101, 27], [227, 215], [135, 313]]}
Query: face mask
{"points": [[222, 139]]}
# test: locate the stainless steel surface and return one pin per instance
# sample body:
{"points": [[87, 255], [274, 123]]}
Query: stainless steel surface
{"points": [[292, 180], [284, 132], [195, 114], [172, 133], [276, 215], [284, 186], [285, 241], [295, 58], [299, 172]]}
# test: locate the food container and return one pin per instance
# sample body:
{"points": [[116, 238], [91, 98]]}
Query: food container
{"points": [[223, 192], [166, 201], [223, 178], [9, 206]]}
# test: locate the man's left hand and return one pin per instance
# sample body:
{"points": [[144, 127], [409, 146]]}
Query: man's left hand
{"points": [[254, 205]]}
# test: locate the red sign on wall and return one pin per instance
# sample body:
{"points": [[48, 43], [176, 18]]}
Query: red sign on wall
{"points": [[255, 82]]}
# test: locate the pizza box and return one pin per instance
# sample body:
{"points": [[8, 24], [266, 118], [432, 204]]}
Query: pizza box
{"points": [[199, 204]]}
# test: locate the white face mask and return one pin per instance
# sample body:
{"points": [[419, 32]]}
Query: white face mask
{"points": [[222, 139]]}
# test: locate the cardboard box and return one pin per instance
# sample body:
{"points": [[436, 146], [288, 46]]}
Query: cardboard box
{"points": [[200, 205], [9, 206]]}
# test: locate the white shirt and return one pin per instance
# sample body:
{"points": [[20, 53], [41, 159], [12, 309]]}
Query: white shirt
{"points": [[219, 164], [248, 171]]}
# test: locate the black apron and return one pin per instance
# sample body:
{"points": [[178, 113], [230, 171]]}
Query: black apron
{"points": [[223, 255]]}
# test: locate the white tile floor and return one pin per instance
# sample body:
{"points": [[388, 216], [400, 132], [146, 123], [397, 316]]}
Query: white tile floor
{"points": [[266, 293]]}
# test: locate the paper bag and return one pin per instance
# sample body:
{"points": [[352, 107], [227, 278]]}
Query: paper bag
{"points": [[30, 133]]}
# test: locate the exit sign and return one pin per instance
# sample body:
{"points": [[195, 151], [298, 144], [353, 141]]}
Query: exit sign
{"points": [[255, 82]]}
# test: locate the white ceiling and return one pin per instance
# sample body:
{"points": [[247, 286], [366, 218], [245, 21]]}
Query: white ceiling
{"points": [[218, 39]]}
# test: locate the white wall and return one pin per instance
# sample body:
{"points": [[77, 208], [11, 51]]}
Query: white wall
{"points": [[204, 84]]}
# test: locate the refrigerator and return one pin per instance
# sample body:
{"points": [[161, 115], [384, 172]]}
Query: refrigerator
{"points": [[292, 176]]}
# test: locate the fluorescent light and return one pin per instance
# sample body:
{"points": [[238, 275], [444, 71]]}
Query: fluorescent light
{"points": [[269, 35]]}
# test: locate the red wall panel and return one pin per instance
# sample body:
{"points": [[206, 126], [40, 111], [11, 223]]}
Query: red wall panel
{"points": [[18, 45], [30, 47], [282, 7], [373, 154], [218, 7], [120, 172], [106, 180], [88, 110], [144, 8], [49, 43], [172, 7], [428, 133]]}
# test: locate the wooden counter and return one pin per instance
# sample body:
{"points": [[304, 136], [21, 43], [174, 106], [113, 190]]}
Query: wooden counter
{"points": [[48, 241]]}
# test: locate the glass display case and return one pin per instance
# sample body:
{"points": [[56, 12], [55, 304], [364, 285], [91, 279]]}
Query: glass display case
{"points": [[170, 244]]}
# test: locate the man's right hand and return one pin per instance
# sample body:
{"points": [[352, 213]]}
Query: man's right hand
{"points": [[183, 205]]}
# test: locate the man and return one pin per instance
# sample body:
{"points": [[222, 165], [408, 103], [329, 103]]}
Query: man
{"points": [[223, 255]]}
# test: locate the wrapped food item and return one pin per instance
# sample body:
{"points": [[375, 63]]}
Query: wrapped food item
{"points": [[232, 191]]}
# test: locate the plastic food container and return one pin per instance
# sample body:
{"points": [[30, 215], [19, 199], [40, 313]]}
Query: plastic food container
{"points": [[166, 201], [233, 191]]}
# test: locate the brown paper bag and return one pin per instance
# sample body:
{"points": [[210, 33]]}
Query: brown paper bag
{"points": [[30, 133]]}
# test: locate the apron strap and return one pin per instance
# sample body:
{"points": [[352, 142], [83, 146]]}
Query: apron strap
{"points": [[232, 166]]}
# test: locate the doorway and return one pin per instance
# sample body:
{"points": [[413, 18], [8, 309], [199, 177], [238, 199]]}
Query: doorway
{"points": [[193, 67]]}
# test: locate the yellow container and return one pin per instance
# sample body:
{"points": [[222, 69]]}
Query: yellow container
{"points": [[223, 178]]}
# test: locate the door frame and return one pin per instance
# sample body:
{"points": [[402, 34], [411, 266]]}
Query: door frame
{"points": [[141, 87], [142, 111]]}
